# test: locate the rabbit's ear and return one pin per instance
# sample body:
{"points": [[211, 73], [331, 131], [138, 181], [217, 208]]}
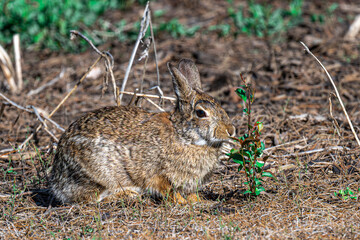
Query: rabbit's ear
{"points": [[188, 68], [181, 84]]}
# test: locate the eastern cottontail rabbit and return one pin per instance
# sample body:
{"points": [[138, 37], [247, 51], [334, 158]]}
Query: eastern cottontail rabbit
{"points": [[122, 150]]}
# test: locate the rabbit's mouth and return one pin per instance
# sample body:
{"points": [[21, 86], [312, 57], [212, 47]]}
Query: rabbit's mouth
{"points": [[213, 142]]}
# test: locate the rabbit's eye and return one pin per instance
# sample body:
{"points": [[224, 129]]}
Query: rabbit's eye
{"points": [[200, 113]]}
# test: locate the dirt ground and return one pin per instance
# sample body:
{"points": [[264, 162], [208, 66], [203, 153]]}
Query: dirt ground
{"points": [[311, 157]]}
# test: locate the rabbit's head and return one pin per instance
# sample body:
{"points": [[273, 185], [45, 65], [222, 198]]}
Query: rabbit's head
{"points": [[199, 117]]}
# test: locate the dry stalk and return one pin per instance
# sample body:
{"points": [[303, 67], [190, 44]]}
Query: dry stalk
{"points": [[337, 127], [353, 30], [35, 111], [336, 91], [149, 96], [16, 40], [285, 144], [155, 53], [145, 55], [333, 148], [38, 115], [134, 97], [109, 60], [158, 107], [8, 70], [143, 27], [48, 84]]}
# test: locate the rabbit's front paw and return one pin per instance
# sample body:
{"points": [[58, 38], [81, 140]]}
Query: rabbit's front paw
{"points": [[176, 197], [194, 198]]}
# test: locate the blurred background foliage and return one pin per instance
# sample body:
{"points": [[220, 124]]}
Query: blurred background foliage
{"points": [[46, 24]]}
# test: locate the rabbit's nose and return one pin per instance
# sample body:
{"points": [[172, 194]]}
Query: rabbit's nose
{"points": [[231, 130]]}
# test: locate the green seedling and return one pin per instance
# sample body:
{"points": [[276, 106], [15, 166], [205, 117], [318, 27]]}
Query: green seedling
{"points": [[251, 148], [264, 20], [347, 194]]}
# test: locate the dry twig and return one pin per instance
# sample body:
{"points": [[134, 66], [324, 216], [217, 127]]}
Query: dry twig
{"points": [[354, 29], [17, 55], [61, 103], [143, 27], [149, 96], [38, 115], [109, 60], [48, 84], [336, 91], [336, 148], [8, 69]]}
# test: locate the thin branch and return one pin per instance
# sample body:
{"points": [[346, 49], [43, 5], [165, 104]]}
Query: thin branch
{"points": [[145, 54], [337, 127], [38, 115], [155, 53], [143, 27], [61, 103], [149, 96], [35, 111], [312, 151], [157, 106], [285, 144], [14, 104], [134, 97], [336, 91], [74, 33], [109, 63], [48, 84]]}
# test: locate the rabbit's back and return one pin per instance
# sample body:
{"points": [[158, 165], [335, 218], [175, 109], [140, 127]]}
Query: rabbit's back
{"points": [[109, 148]]}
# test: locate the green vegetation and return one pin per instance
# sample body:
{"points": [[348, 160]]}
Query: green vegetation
{"points": [[321, 18], [46, 24], [347, 194], [263, 20], [176, 29], [251, 147]]}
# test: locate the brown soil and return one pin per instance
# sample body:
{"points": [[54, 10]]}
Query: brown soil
{"points": [[292, 98]]}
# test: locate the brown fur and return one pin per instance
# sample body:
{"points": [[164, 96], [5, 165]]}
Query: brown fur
{"points": [[120, 149]]}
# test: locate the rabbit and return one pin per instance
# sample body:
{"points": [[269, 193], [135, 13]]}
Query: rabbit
{"points": [[125, 150]]}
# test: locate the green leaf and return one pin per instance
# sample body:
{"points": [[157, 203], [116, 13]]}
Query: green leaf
{"points": [[348, 190], [258, 182], [258, 190], [259, 164], [267, 174], [241, 93], [238, 161], [247, 191]]}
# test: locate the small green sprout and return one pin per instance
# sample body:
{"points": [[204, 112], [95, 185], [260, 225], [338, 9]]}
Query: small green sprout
{"points": [[346, 194], [251, 148]]}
